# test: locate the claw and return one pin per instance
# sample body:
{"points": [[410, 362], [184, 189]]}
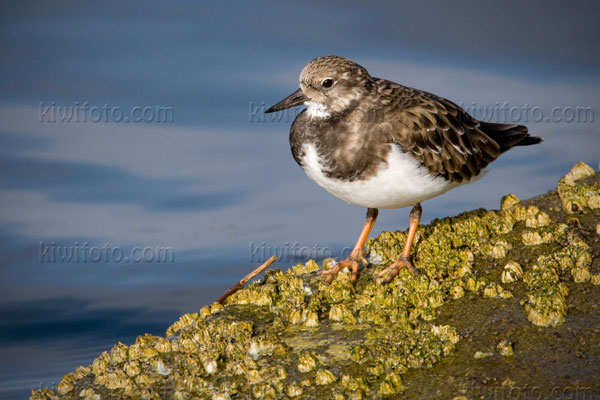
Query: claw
{"points": [[351, 262], [390, 272]]}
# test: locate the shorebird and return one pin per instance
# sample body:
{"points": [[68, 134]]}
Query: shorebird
{"points": [[377, 144]]}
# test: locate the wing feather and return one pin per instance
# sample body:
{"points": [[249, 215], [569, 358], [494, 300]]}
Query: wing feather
{"points": [[438, 133]]}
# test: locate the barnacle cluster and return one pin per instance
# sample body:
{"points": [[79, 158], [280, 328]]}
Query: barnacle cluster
{"points": [[494, 290], [546, 304], [576, 197], [291, 335]]}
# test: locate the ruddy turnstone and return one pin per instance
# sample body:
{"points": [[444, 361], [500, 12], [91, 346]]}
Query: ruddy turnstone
{"points": [[378, 144]]}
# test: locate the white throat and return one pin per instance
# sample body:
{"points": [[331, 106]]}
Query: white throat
{"points": [[317, 110]]}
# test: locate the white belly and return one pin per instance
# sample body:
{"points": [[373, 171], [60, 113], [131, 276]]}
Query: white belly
{"points": [[403, 182]]}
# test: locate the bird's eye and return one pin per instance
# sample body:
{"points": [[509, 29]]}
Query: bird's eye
{"points": [[327, 83]]}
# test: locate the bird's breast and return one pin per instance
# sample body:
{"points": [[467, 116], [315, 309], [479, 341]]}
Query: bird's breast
{"points": [[399, 180]]}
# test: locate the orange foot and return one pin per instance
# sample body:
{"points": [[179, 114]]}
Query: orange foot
{"points": [[390, 272], [351, 262]]}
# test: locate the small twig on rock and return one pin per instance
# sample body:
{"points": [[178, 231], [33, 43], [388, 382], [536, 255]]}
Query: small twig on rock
{"points": [[247, 278]]}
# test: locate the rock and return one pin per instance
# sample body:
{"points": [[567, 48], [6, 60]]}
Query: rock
{"points": [[509, 272]]}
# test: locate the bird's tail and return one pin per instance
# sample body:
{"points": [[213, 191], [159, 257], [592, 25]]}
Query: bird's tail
{"points": [[509, 135]]}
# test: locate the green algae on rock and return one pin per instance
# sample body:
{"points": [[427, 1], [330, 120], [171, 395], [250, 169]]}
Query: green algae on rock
{"points": [[292, 335]]}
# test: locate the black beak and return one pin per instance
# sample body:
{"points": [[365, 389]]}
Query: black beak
{"points": [[295, 99]]}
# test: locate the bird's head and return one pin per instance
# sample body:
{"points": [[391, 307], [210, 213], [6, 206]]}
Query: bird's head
{"points": [[328, 85]]}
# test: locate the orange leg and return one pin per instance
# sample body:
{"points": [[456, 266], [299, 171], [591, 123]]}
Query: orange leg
{"points": [[404, 260], [352, 261]]}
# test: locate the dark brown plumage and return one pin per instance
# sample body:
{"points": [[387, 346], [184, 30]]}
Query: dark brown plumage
{"points": [[441, 135]]}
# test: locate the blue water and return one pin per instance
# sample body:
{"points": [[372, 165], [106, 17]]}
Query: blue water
{"points": [[215, 186]]}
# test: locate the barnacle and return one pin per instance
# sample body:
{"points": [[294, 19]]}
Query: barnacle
{"points": [[117, 380], [505, 348], [81, 373], [132, 368], [312, 319], [536, 218], [65, 385], [499, 249], [457, 292], [508, 201], [581, 274], [305, 268], [264, 390], [545, 317], [101, 363], [340, 312], [512, 272], [534, 238], [306, 362], [89, 394], [519, 213], [324, 377], [296, 317], [445, 333], [160, 367], [354, 384], [294, 390], [118, 353], [162, 345], [392, 383]]}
